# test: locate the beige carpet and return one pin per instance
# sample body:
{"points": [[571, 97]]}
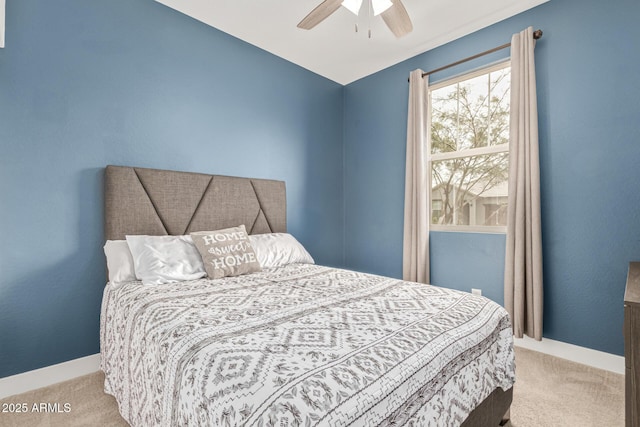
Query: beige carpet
{"points": [[555, 392], [548, 392]]}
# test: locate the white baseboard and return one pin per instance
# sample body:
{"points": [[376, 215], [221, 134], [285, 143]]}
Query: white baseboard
{"points": [[49, 375], [574, 353]]}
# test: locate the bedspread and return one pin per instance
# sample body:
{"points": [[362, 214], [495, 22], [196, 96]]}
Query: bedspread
{"points": [[301, 345]]}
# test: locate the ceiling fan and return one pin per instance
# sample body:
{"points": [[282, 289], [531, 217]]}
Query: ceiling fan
{"points": [[393, 13]]}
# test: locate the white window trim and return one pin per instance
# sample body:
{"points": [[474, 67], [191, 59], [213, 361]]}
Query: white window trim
{"points": [[467, 76], [2, 17], [502, 148]]}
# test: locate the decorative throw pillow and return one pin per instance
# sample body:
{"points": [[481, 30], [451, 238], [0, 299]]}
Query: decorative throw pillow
{"points": [[277, 249], [226, 252]]}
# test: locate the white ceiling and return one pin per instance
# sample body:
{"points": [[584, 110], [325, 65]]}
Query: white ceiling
{"points": [[333, 49]]}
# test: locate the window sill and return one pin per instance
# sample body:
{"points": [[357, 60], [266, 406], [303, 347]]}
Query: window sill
{"points": [[496, 229]]}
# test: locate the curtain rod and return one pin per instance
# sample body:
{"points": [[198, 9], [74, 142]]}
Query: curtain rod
{"points": [[537, 34]]}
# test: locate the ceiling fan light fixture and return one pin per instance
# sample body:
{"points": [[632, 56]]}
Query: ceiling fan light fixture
{"points": [[353, 6], [380, 6], [393, 13]]}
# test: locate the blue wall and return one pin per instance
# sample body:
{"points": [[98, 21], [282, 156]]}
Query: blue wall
{"points": [[589, 107], [84, 84]]}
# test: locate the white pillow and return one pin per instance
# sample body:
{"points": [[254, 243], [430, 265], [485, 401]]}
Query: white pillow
{"points": [[276, 249], [165, 259], [119, 261]]}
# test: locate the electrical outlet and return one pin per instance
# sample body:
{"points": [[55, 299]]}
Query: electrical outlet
{"points": [[476, 292]]}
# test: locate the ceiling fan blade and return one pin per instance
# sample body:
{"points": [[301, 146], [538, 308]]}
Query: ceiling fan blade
{"points": [[319, 14], [397, 19]]}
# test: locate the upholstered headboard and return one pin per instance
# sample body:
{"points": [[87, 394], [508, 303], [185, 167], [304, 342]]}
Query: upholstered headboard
{"points": [[161, 202]]}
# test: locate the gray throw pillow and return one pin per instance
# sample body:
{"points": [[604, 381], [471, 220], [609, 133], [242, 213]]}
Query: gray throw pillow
{"points": [[226, 252]]}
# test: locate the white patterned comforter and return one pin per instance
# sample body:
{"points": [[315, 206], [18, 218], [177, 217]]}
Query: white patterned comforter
{"points": [[301, 345]]}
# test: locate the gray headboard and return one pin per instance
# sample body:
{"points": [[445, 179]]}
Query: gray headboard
{"points": [[161, 202]]}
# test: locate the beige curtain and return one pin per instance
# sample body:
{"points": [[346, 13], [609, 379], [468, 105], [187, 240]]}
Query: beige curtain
{"points": [[523, 261], [415, 251]]}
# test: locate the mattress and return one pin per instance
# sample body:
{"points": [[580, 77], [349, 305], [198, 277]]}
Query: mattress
{"points": [[301, 345]]}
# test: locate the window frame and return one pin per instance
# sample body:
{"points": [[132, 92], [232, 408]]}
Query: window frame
{"points": [[472, 152]]}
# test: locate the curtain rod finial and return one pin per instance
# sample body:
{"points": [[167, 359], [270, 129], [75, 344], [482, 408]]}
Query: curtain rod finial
{"points": [[537, 34]]}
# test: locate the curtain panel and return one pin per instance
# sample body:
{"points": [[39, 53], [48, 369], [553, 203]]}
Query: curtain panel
{"points": [[415, 250], [523, 293]]}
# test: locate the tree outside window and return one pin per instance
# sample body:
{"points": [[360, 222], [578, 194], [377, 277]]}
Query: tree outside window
{"points": [[469, 143]]}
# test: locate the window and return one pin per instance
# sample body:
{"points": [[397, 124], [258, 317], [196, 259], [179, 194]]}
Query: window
{"points": [[469, 146]]}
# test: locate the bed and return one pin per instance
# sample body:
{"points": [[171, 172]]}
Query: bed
{"points": [[296, 345]]}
